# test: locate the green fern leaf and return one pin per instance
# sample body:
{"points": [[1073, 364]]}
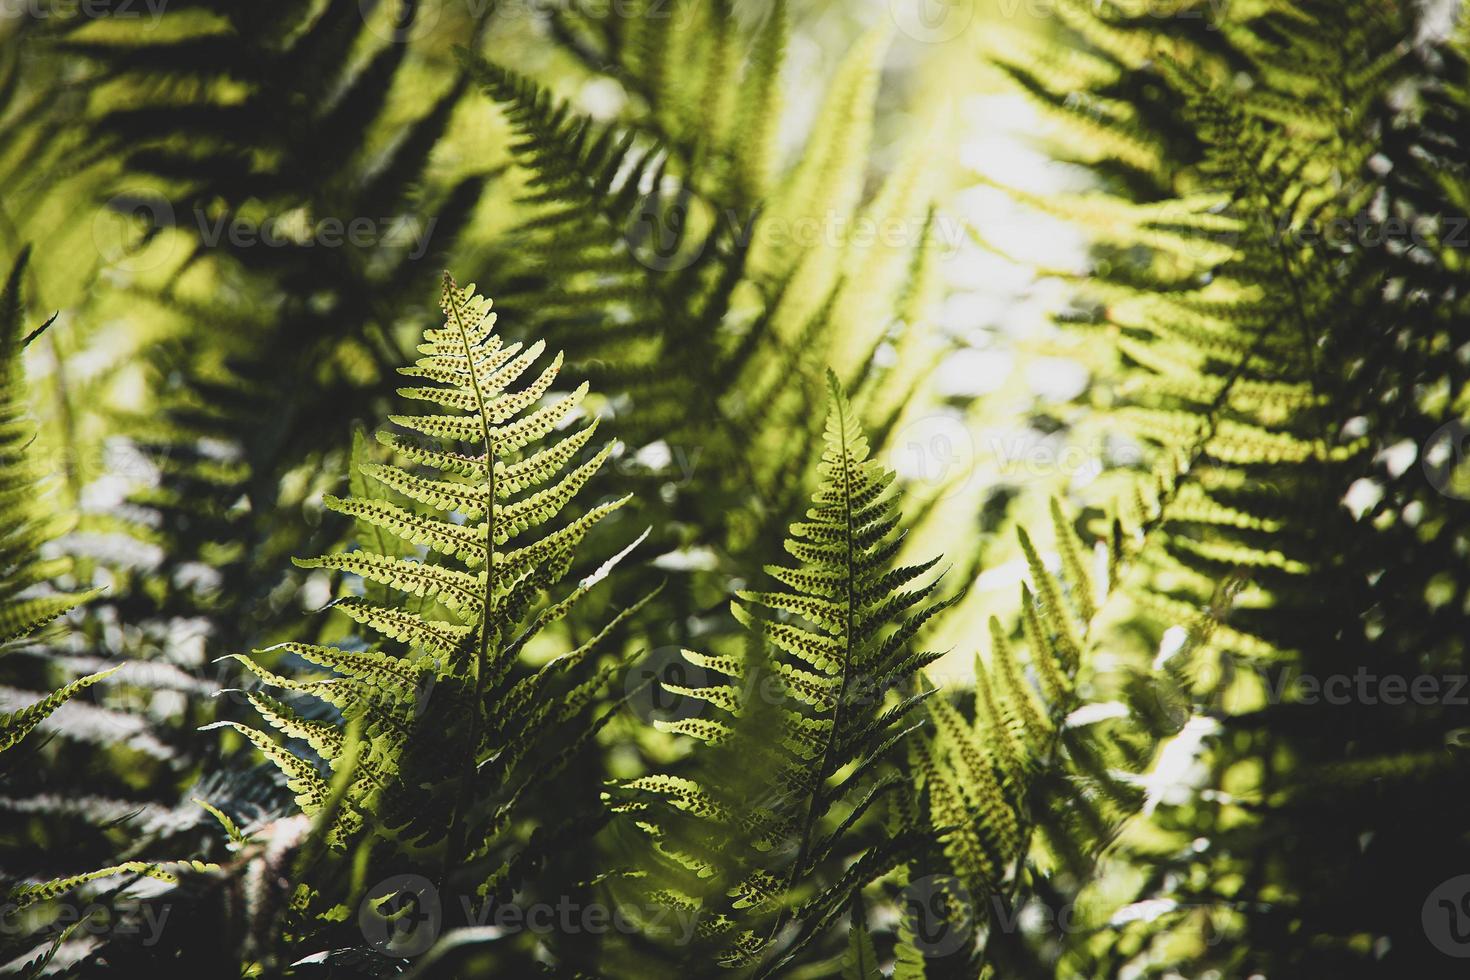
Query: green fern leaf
{"points": [[439, 733], [18, 724], [829, 673]]}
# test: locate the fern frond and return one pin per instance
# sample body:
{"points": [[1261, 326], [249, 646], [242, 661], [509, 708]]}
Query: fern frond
{"points": [[18, 724], [439, 732], [1262, 364], [815, 709], [29, 894]]}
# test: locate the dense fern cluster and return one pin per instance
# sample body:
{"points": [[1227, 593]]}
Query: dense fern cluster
{"points": [[1284, 298], [664, 673]]}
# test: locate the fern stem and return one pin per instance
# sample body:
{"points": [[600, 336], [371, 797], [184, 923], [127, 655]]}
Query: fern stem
{"points": [[459, 830], [840, 408]]}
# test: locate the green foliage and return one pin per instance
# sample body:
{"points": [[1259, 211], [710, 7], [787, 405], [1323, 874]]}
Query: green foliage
{"points": [[809, 780], [441, 740], [731, 304], [25, 525], [18, 724], [711, 96], [813, 711], [1268, 323], [23, 611]]}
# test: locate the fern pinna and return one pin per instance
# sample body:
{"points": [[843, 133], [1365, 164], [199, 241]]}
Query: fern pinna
{"points": [[441, 735], [800, 730]]}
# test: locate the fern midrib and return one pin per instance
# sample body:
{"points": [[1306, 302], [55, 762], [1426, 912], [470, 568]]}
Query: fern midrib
{"points": [[458, 838], [824, 763]]}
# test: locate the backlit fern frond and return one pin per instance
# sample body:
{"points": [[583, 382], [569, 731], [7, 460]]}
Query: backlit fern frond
{"points": [[1020, 787], [25, 895], [238, 135], [27, 603], [620, 262], [247, 139], [799, 732], [442, 732], [18, 724], [1216, 309], [1271, 287]]}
